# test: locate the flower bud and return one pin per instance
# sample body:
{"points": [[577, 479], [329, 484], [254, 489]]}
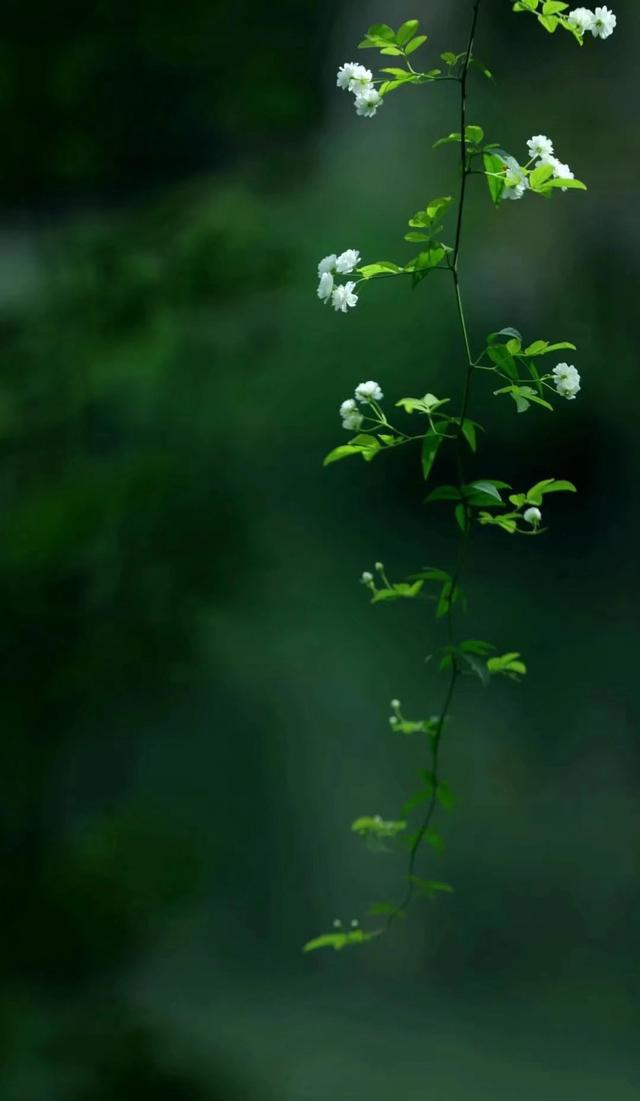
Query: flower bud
{"points": [[533, 516]]}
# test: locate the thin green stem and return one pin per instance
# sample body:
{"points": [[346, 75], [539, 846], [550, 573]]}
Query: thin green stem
{"points": [[459, 436]]}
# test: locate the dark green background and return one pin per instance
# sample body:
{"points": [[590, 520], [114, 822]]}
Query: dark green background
{"points": [[194, 688]]}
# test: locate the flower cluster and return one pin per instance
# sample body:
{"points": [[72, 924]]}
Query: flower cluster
{"points": [[355, 78], [341, 294], [365, 393], [600, 22], [567, 380], [540, 149]]}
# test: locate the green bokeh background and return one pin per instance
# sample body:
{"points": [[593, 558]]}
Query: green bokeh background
{"points": [[195, 690]]}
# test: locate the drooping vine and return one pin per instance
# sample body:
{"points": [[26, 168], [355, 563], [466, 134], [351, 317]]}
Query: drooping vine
{"points": [[506, 358]]}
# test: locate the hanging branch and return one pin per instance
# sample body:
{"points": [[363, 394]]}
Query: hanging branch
{"points": [[482, 501]]}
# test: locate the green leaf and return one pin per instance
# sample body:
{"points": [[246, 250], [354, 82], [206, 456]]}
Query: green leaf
{"points": [[549, 22], [415, 43], [432, 574], [449, 58], [382, 30], [424, 261], [377, 826], [402, 590], [473, 134], [548, 485], [494, 338], [434, 207], [414, 236], [428, 404], [507, 665], [469, 433], [486, 488], [430, 447], [431, 887], [367, 446], [447, 141], [494, 171], [382, 909], [444, 493], [552, 7], [501, 356], [483, 68], [406, 31], [381, 267], [340, 940], [476, 646], [540, 175], [576, 185]]}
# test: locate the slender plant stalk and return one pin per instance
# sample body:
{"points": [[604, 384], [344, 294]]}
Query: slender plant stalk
{"points": [[464, 537]]}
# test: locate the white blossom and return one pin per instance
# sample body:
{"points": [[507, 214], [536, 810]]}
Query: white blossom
{"points": [[604, 22], [540, 146], [561, 171], [325, 286], [582, 19], [515, 178], [567, 380], [367, 578], [351, 417], [367, 101], [366, 392], [533, 516], [352, 76], [347, 261], [327, 264], [343, 297]]}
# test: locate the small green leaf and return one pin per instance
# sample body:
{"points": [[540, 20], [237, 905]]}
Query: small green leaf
{"points": [[406, 31], [381, 267], [447, 141], [444, 493], [431, 887], [494, 171], [473, 134], [415, 43], [340, 940], [430, 447]]}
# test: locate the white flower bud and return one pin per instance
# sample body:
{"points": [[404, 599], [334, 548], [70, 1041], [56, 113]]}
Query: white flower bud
{"points": [[533, 516], [367, 578]]}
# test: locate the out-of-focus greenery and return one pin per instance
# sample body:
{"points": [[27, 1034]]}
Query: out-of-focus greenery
{"points": [[194, 689]]}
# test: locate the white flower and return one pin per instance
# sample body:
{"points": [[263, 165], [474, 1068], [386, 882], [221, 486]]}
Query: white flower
{"points": [[533, 516], [328, 264], [367, 101], [351, 418], [582, 19], [539, 146], [567, 380], [343, 296], [347, 261], [352, 76], [367, 578], [366, 392], [604, 22], [352, 422], [561, 171], [325, 286], [515, 179]]}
